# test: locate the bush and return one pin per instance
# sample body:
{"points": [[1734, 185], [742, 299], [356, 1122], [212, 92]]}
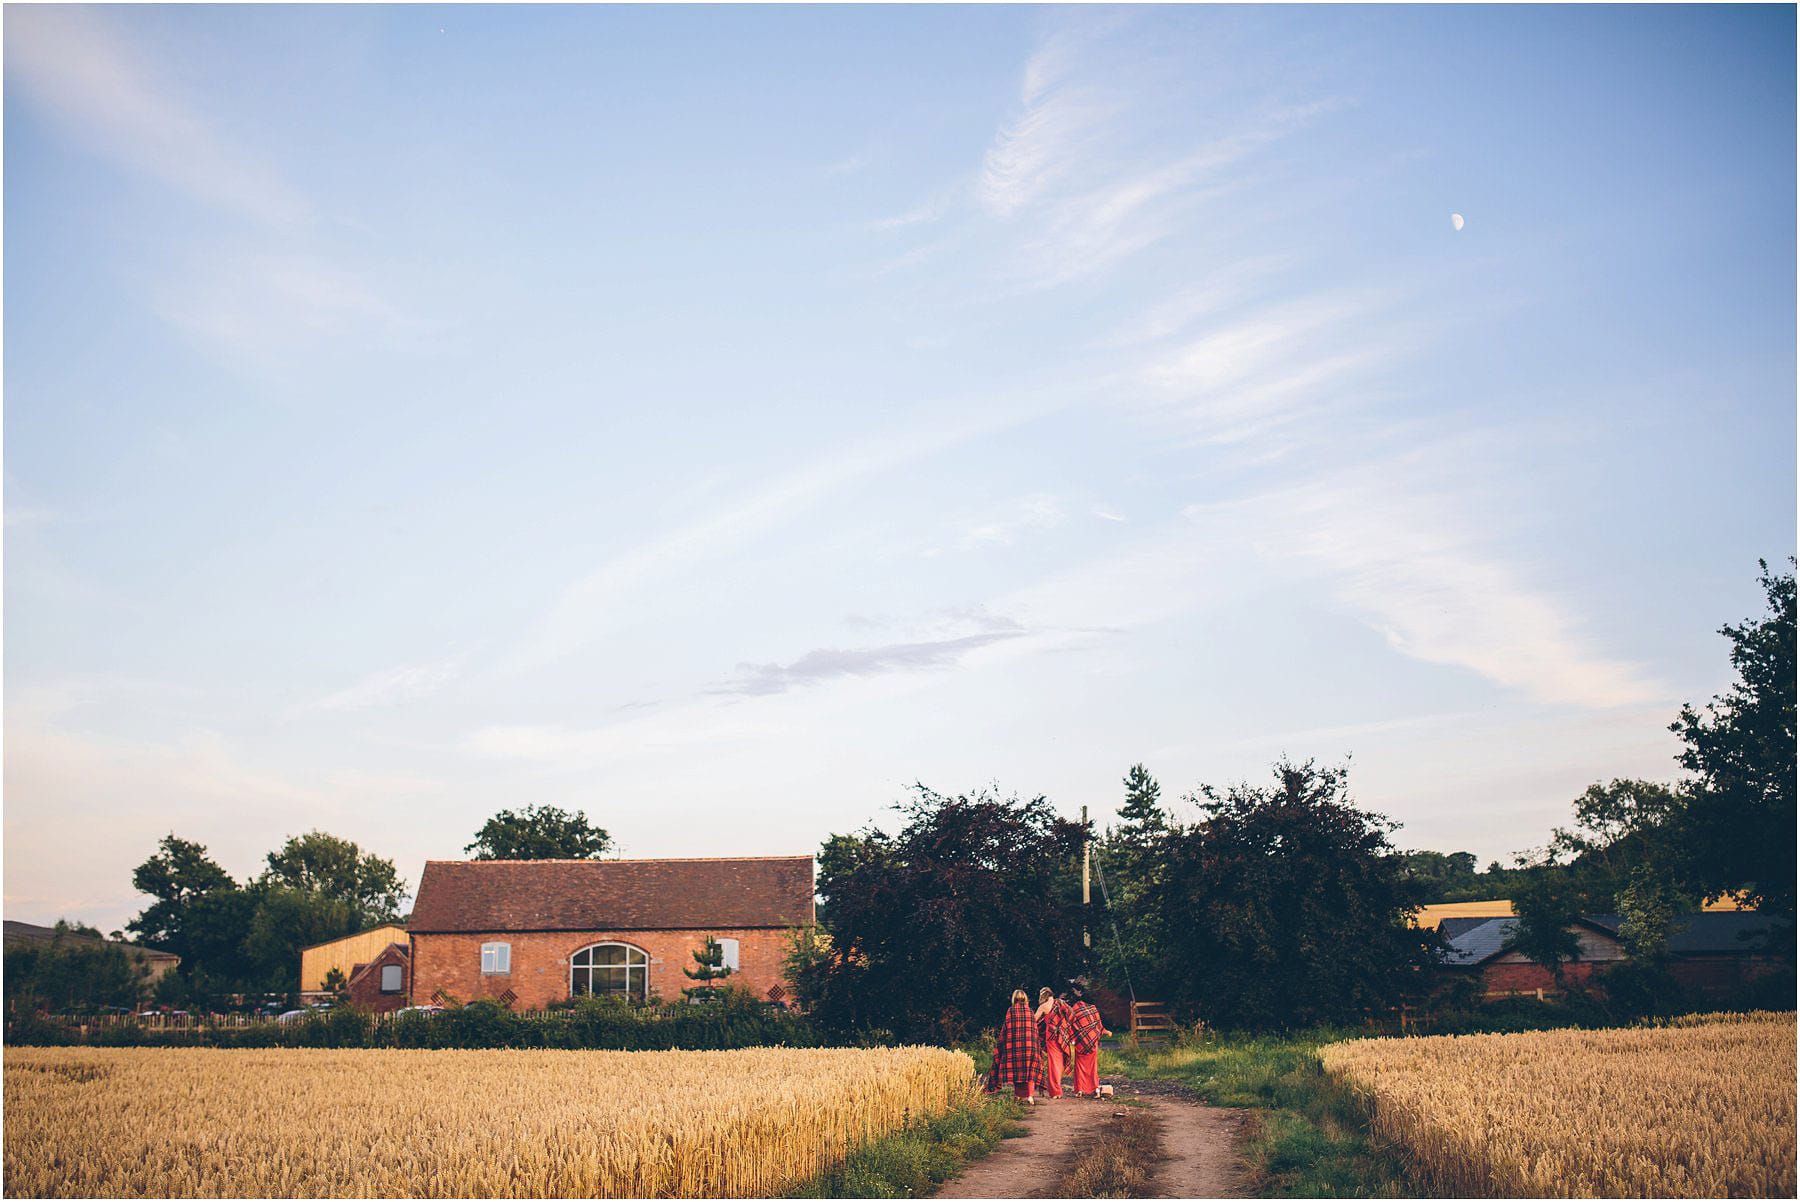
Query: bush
{"points": [[733, 1020]]}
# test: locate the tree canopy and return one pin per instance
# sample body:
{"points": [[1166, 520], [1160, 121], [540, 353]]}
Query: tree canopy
{"points": [[539, 833], [1286, 906], [1736, 831], [931, 929]]}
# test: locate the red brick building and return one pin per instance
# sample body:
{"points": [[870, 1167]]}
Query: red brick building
{"points": [[532, 932], [1709, 953], [382, 983]]}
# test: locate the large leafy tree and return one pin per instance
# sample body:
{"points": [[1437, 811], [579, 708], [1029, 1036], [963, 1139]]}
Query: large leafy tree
{"points": [[1287, 905], [198, 911], [367, 887], [1546, 904], [539, 833], [1736, 831], [932, 928]]}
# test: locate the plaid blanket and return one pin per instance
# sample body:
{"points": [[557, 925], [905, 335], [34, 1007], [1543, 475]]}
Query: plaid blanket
{"points": [[1018, 1054], [1088, 1026], [1056, 1028]]}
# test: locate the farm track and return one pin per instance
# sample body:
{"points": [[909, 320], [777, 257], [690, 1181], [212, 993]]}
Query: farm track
{"points": [[1200, 1142]]}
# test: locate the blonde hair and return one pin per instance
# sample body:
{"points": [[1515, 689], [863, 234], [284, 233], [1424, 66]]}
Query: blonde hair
{"points": [[1044, 995], [1019, 995]]}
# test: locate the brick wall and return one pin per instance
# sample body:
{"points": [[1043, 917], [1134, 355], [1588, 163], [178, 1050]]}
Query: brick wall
{"points": [[365, 989], [540, 962], [1503, 977]]}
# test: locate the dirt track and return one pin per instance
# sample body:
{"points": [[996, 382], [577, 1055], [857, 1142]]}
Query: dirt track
{"points": [[1200, 1142]]}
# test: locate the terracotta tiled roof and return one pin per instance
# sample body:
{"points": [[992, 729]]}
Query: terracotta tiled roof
{"points": [[613, 895]]}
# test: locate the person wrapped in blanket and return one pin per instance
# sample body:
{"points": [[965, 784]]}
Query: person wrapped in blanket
{"points": [[1087, 1030], [1018, 1053], [1057, 1034]]}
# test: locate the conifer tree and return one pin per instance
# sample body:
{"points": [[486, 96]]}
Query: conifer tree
{"points": [[709, 968]]}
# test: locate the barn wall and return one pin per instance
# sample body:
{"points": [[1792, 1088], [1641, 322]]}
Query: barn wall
{"points": [[1525, 977], [540, 962], [345, 954], [365, 990]]}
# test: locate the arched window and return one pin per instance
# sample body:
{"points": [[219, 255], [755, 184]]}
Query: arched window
{"points": [[616, 968]]}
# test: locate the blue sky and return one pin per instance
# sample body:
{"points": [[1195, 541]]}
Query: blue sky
{"points": [[718, 419]]}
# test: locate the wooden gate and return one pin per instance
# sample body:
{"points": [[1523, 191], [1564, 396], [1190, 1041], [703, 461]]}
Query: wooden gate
{"points": [[1150, 1020]]}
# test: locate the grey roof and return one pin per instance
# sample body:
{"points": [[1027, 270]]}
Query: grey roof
{"points": [[1452, 927], [1483, 941], [1725, 932], [1733, 931]]}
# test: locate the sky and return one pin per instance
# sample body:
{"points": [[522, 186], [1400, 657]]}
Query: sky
{"points": [[718, 420]]}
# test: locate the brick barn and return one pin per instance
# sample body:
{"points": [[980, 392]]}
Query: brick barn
{"points": [[532, 932], [1709, 953]]}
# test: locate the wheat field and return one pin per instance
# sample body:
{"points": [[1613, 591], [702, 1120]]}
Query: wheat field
{"points": [[100, 1122], [1698, 1108]]}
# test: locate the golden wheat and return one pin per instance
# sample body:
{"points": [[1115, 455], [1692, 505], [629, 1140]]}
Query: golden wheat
{"points": [[414, 1124], [1703, 1108]]}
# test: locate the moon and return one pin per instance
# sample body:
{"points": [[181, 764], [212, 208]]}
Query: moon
{"points": [[1456, 221]]}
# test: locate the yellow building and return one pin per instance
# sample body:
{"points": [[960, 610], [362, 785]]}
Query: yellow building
{"points": [[345, 954], [1431, 916]]}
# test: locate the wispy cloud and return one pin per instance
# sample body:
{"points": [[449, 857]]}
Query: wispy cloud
{"points": [[1396, 552], [1067, 179], [1058, 122], [597, 600], [1022, 515], [262, 309], [71, 61], [831, 663], [1267, 369], [391, 686]]}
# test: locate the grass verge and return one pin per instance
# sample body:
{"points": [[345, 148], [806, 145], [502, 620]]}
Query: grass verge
{"points": [[1308, 1137], [915, 1160], [1119, 1161]]}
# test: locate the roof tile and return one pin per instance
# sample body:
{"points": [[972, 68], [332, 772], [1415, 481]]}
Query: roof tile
{"points": [[612, 895]]}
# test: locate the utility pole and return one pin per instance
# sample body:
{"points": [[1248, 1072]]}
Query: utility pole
{"points": [[1086, 940]]}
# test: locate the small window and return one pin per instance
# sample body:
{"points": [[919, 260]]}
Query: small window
{"points": [[730, 948], [390, 978], [496, 958]]}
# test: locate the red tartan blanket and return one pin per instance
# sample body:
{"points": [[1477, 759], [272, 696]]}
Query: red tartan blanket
{"points": [[1087, 1026], [1055, 1028], [1018, 1054]]}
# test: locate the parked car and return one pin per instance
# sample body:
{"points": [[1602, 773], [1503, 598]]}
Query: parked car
{"points": [[288, 1016], [426, 1009]]}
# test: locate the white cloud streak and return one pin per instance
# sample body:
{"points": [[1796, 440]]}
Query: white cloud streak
{"points": [[74, 64], [1395, 553], [595, 602], [391, 686]]}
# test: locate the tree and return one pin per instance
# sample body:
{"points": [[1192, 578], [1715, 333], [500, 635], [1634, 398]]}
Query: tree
{"points": [[1736, 831], [1440, 875], [287, 919], [368, 887], [709, 966], [198, 911], [336, 984], [74, 971], [1621, 829], [931, 929], [539, 833], [1546, 905], [1129, 861], [1141, 819], [1287, 906]]}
